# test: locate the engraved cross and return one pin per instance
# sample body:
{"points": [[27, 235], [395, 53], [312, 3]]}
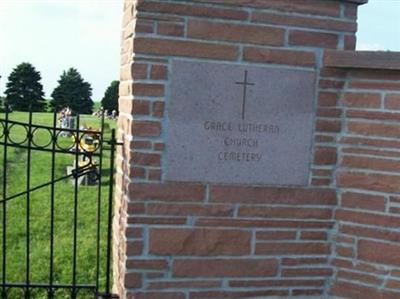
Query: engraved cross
{"points": [[245, 83]]}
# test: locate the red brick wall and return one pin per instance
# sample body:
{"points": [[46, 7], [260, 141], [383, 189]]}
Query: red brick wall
{"points": [[366, 255], [184, 240]]}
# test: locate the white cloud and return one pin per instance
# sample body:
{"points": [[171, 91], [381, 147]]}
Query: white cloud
{"points": [[370, 47]]}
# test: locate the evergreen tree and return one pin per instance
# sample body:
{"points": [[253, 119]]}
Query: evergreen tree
{"points": [[110, 99], [2, 108], [24, 90], [74, 92]]}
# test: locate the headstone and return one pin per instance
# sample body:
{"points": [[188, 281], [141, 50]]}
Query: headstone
{"points": [[234, 123]]}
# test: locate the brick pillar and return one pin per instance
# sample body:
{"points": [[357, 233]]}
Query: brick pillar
{"points": [[186, 240], [366, 250], [121, 231]]}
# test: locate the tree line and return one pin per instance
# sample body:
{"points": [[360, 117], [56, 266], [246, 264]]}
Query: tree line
{"points": [[24, 92]]}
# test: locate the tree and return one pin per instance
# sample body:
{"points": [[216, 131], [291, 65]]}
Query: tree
{"points": [[24, 90], [110, 99], [74, 92], [2, 108]]}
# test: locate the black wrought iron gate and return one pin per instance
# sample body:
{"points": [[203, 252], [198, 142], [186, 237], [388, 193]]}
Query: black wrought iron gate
{"points": [[87, 148]]}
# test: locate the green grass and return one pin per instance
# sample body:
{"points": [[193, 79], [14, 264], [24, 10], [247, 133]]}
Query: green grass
{"points": [[96, 106], [16, 212]]}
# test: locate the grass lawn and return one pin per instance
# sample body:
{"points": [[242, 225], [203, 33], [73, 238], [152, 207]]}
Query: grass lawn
{"points": [[40, 213]]}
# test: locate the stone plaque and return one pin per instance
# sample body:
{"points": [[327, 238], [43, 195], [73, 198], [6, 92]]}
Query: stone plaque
{"points": [[244, 124]]}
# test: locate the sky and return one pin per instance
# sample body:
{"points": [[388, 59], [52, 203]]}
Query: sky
{"points": [[379, 26], [55, 35]]}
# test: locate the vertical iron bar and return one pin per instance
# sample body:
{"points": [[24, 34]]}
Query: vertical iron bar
{"points": [[4, 245], [77, 146], [28, 203], [99, 205], [110, 202], [53, 176]]}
